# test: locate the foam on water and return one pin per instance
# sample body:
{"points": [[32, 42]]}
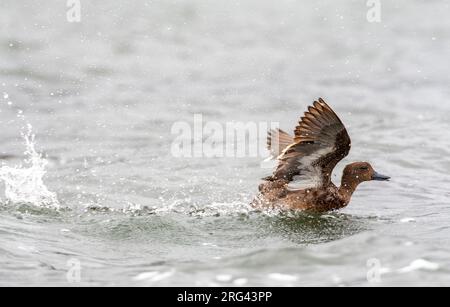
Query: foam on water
{"points": [[24, 183], [214, 209], [420, 264], [187, 207]]}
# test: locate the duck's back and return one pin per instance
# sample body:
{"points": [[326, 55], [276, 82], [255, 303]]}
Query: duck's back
{"points": [[275, 194]]}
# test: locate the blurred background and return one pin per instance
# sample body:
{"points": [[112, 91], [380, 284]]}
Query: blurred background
{"points": [[102, 95]]}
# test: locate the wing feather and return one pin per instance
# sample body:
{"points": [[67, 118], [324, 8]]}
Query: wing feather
{"points": [[321, 141], [277, 141]]}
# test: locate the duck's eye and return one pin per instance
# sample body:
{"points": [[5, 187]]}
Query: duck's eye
{"points": [[364, 168]]}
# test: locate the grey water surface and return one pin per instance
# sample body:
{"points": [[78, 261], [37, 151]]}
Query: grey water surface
{"points": [[103, 94]]}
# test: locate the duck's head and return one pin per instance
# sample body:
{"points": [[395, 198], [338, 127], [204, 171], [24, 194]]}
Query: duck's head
{"points": [[358, 172]]}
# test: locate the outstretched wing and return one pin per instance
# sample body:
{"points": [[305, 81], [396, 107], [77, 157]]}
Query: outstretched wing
{"points": [[320, 142], [278, 141]]}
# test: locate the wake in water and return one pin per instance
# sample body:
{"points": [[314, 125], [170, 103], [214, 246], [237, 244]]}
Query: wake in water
{"points": [[24, 183]]}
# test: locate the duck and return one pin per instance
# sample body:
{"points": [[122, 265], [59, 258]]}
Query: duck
{"points": [[301, 180]]}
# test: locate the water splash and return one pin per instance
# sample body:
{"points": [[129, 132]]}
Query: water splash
{"points": [[24, 183]]}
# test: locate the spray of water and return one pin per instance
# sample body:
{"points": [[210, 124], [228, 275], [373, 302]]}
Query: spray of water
{"points": [[24, 183]]}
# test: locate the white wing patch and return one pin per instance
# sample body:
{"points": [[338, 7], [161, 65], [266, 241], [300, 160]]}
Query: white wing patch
{"points": [[311, 175]]}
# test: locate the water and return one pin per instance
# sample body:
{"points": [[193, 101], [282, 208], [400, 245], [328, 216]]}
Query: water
{"points": [[98, 190], [25, 184]]}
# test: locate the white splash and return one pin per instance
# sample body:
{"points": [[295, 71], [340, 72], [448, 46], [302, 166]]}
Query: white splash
{"points": [[407, 220], [185, 206], [224, 277], [240, 282], [420, 264], [24, 183], [154, 276], [283, 277]]}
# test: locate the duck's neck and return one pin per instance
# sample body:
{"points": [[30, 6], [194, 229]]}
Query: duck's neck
{"points": [[348, 187]]}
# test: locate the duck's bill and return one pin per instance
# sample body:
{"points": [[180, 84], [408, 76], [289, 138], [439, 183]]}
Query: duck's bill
{"points": [[379, 177]]}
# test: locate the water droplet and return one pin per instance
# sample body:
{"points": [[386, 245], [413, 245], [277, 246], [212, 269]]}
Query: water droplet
{"points": [[240, 282], [407, 220], [282, 277], [224, 277]]}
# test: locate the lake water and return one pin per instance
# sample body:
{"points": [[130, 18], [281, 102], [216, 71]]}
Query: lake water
{"points": [[107, 203]]}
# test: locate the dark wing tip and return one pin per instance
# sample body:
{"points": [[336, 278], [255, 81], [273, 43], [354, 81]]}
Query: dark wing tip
{"points": [[317, 122]]}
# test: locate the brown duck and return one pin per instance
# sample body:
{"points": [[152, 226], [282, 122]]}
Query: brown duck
{"points": [[302, 179]]}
